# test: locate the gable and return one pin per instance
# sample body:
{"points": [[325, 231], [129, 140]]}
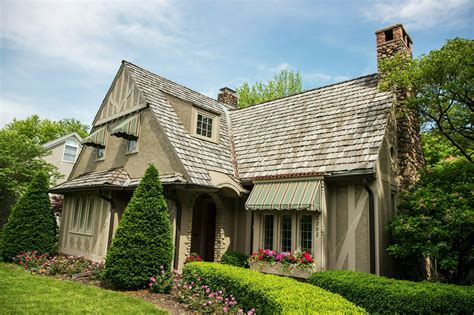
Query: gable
{"points": [[123, 98]]}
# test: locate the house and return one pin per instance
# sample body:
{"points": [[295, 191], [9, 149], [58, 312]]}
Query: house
{"points": [[320, 170], [64, 152]]}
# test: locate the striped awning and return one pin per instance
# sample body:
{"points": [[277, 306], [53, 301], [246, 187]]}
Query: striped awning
{"points": [[96, 139], [127, 129], [286, 195]]}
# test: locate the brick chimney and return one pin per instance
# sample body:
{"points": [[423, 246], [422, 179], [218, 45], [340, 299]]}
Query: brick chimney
{"points": [[394, 40], [228, 96]]}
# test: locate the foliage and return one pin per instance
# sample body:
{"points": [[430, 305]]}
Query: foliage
{"points": [[436, 219], [382, 295], [20, 160], [57, 265], [143, 240], [267, 293], [440, 88], [24, 293], [297, 259], [192, 257], [31, 224], [42, 131], [437, 148], [163, 282], [235, 259], [285, 83]]}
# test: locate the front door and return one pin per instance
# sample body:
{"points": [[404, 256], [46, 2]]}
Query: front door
{"points": [[204, 228]]}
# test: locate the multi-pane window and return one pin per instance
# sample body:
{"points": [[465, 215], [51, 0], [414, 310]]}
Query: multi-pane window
{"points": [[83, 215], [306, 235], [99, 153], [286, 233], [70, 151], [268, 232], [204, 125], [131, 145]]}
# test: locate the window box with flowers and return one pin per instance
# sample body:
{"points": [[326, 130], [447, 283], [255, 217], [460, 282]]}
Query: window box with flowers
{"points": [[297, 264]]}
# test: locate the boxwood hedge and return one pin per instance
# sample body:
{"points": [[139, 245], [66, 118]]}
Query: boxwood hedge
{"points": [[235, 259], [383, 295], [268, 294]]}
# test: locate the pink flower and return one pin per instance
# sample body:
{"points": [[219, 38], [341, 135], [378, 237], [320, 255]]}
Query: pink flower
{"points": [[150, 284], [225, 309], [152, 279]]}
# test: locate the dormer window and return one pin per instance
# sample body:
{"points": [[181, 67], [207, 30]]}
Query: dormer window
{"points": [[70, 151], [205, 125]]}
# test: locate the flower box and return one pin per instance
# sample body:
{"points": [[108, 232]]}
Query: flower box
{"points": [[281, 270]]}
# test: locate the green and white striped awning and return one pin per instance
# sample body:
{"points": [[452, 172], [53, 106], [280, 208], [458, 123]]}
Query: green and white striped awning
{"points": [[286, 195], [127, 129], [96, 139]]}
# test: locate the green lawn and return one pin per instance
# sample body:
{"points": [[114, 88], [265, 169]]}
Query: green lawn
{"points": [[21, 292]]}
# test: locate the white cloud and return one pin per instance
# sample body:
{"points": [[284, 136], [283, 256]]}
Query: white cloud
{"points": [[13, 109], [91, 34], [419, 14]]}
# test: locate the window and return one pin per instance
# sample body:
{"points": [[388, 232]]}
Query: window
{"points": [[70, 151], [99, 153], [286, 233], [204, 125], [306, 235], [132, 145], [83, 215], [268, 232]]}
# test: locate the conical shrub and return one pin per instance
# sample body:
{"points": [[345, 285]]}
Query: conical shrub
{"points": [[143, 240], [31, 224]]}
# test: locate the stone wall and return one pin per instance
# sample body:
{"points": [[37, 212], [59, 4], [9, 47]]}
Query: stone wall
{"points": [[228, 96]]}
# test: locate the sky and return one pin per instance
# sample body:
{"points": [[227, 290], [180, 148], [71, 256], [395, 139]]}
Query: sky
{"points": [[58, 58]]}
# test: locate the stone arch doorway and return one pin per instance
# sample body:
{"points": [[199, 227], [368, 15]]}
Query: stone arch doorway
{"points": [[203, 234]]}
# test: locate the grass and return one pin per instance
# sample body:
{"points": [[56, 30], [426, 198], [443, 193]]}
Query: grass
{"points": [[21, 292]]}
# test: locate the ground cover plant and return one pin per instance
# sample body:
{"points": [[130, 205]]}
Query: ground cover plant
{"points": [[24, 293], [31, 224], [143, 240], [267, 294], [382, 295]]}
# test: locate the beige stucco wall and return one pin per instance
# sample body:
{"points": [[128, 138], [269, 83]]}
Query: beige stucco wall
{"points": [[152, 148], [183, 109], [56, 158]]}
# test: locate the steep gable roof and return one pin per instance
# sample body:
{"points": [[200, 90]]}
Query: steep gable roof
{"points": [[59, 140], [197, 156], [336, 128]]}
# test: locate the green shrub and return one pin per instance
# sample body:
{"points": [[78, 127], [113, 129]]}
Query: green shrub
{"points": [[31, 224], [235, 259], [268, 294], [143, 240], [382, 295]]}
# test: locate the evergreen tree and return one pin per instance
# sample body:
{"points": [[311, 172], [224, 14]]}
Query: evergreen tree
{"points": [[31, 224], [143, 240]]}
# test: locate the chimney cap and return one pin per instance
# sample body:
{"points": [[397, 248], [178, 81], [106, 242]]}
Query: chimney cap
{"points": [[394, 26], [227, 89]]}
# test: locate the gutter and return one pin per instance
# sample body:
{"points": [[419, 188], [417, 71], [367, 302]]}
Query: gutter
{"points": [[113, 210], [371, 225]]}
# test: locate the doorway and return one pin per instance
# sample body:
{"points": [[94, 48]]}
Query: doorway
{"points": [[203, 235]]}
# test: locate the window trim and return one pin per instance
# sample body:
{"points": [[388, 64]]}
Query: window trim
{"points": [[76, 221], [215, 125], [136, 146], [74, 146]]}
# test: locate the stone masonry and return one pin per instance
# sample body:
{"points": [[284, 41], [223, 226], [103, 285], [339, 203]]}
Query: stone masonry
{"points": [[228, 96]]}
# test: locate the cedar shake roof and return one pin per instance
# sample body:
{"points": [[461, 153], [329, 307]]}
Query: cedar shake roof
{"points": [[336, 128]]}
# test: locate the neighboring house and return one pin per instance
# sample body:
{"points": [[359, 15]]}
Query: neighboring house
{"points": [[320, 170], [64, 152]]}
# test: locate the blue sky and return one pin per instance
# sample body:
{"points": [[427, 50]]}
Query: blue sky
{"points": [[58, 58]]}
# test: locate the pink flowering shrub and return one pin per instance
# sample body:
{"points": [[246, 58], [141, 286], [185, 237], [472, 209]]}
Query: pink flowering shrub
{"points": [[163, 281], [297, 258], [57, 265]]}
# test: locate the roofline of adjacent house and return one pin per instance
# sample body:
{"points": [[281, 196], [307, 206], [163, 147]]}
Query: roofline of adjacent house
{"points": [[303, 92], [54, 142]]}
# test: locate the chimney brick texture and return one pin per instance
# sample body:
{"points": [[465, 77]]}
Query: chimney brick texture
{"points": [[228, 96], [391, 41]]}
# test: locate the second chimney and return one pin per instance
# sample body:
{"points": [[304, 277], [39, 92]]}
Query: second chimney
{"points": [[393, 40], [228, 97]]}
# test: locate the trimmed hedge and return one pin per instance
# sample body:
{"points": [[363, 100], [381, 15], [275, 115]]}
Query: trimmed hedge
{"points": [[383, 295], [235, 259], [268, 294]]}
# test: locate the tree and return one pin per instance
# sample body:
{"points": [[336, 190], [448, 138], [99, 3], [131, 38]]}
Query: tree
{"points": [[437, 148], [143, 241], [436, 220], [20, 160], [440, 88], [31, 224], [44, 130], [283, 84]]}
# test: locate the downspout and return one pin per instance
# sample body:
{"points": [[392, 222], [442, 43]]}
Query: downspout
{"points": [[371, 226], [113, 210]]}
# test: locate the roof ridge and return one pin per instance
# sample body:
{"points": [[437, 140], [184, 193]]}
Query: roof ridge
{"points": [[165, 79], [307, 91]]}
